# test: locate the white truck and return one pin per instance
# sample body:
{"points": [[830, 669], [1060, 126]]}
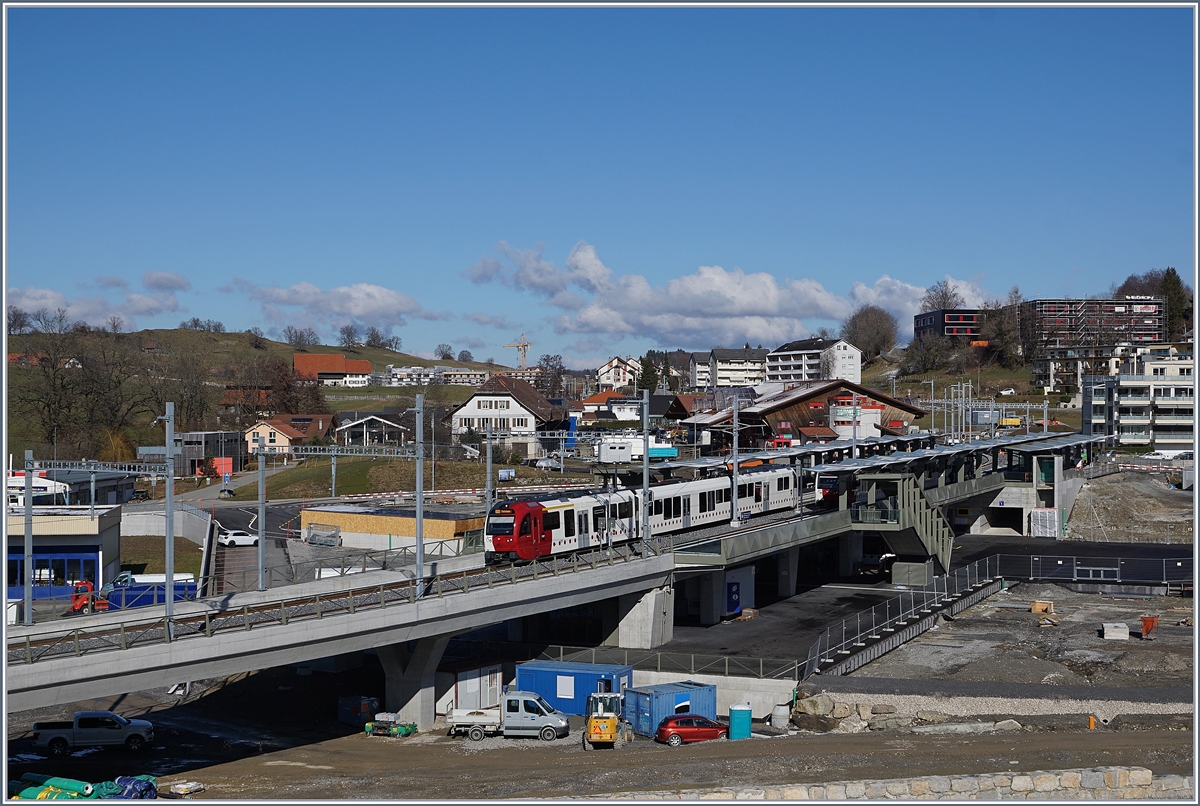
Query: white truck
{"points": [[520, 713], [92, 728]]}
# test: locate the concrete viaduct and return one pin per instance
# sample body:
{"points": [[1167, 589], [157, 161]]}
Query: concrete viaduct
{"points": [[901, 495]]}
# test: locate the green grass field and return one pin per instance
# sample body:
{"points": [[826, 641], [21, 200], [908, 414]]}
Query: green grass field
{"points": [[147, 555]]}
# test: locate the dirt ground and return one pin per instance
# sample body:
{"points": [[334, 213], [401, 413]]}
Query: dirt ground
{"points": [[1000, 640], [1132, 507]]}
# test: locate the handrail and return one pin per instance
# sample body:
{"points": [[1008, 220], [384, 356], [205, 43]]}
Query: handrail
{"points": [[154, 629]]}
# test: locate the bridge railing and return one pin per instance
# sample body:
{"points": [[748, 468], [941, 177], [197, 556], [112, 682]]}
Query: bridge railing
{"points": [[131, 631]]}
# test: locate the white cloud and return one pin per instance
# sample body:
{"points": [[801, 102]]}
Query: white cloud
{"points": [[106, 281], [94, 310], [165, 281], [360, 304], [710, 306], [487, 320]]}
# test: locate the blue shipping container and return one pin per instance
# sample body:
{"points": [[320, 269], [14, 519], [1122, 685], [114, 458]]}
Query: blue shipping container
{"points": [[645, 707], [566, 685]]}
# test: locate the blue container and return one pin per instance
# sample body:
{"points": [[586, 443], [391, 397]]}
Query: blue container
{"points": [[739, 722], [647, 706], [566, 684]]}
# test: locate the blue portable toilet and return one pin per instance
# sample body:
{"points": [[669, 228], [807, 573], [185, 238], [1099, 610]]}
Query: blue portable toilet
{"points": [[567, 684], [647, 706]]}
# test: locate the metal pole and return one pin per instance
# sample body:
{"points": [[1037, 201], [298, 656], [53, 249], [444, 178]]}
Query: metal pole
{"points": [[262, 512], [489, 493], [854, 427], [420, 494], [333, 473], [170, 515], [28, 619], [1045, 415], [92, 502], [645, 465], [733, 510]]}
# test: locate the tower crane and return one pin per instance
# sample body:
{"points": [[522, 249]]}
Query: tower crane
{"points": [[522, 348]]}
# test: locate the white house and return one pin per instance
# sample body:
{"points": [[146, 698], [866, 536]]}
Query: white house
{"points": [[813, 360], [508, 405], [618, 372]]}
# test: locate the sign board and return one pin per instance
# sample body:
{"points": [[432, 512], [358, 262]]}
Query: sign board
{"points": [[1145, 309], [508, 474], [733, 597]]}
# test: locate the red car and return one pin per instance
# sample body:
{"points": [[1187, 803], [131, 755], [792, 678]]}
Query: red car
{"points": [[681, 728]]}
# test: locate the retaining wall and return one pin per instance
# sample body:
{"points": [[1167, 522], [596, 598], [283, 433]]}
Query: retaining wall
{"points": [[1098, 783], [191, 525]]}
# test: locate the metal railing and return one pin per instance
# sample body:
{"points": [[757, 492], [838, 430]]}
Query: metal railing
{"points": [[875, 514], [131, 631]]}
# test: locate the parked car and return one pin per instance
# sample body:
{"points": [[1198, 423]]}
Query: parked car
{"points": [[225, 493], [1008, 391], [686, 728], [140, 495], [236, 537], [92, 728]]}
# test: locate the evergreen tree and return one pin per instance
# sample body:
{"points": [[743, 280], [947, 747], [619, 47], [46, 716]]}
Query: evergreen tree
{"points": [[1179, 304]]}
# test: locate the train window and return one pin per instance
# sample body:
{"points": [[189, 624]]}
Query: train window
{"points": [[499, 526], [657, 507], [598, 518], [723, 495], [551, 521], [758, 493], [525, 526], [583, 523], [569, 522], [784, 483], [625, 510], [743, 490]]}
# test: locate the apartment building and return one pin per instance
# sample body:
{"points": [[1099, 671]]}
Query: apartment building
{"points": [[814, 359], [699, 371], [742, 367], [956, 323], [1149, 402]]}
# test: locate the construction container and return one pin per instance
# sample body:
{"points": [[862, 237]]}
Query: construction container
{"points": [[566, 684], [357, 711], [739, 722], [647, 706]]}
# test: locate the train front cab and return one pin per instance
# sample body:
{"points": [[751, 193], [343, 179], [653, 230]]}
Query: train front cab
{"points": [[514, 532]]}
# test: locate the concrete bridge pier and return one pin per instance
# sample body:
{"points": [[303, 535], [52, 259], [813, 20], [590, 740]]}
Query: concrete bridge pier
{"points": [[645, 620], [409, 669], [850, 553], [789, 568]]}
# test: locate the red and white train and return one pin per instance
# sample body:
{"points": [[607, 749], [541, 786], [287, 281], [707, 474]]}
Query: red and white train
{"points": [[528, 528]]}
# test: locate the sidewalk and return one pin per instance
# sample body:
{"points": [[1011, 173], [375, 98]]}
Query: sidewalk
{"points": [[210, 492]]}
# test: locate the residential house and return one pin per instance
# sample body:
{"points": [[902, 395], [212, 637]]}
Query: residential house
{"points": [[618, 372], [226, 449], [814, 359], [738, 367], [332, 369], [511, 406], [282, 432], [393, 375]]}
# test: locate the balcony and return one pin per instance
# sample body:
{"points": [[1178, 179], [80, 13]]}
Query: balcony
{"points": [[1166, 419], [1181, 437]]}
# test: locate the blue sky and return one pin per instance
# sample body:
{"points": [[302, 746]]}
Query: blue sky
{"points": [[602, 180]]}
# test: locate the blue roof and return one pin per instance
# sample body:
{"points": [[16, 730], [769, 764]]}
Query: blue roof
{"points": [[573, 667]]}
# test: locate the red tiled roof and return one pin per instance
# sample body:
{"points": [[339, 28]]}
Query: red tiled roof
{"points": [[358, 366], [310, 364], [602, 397]]}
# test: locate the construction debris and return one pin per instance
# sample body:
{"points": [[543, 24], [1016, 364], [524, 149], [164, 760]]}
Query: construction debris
{"points": [[1116, 631], [1042, 607]]}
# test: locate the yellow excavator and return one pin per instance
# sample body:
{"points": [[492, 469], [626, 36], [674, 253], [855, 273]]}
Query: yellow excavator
{"points": [[606, 724]]}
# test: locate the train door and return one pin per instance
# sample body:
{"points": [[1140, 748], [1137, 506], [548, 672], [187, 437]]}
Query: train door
{"points": [[687, 511], [766, 496]]}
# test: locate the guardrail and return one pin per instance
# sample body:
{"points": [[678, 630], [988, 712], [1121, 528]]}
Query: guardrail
{"points": [[126, 633]]}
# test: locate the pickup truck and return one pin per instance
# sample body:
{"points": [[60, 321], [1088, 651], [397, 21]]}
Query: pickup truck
{"points": [[127, 590], [92, 728], [520, 713]]}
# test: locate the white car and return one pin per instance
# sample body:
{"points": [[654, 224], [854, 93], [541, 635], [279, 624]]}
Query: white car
{"points": [[236, 537], [1008, 391]]}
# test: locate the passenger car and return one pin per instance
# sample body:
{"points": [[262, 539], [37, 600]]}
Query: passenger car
{"points": [[236, 537], [1008, 391], [685, 728]]}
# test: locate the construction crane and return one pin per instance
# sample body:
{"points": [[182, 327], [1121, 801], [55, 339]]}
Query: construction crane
{"points": [[522, 348]]}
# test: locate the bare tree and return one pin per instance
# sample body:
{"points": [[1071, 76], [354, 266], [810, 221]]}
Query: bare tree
{"points": [[464, 356], [348, 337], [941, 296], [300, 338], [48, 394], [19, 321], [550, 379], [870, 329], [115, 324], [1001, 328], [444, 351], [257, 338]]}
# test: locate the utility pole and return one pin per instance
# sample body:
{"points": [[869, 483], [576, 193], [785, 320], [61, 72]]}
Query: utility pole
{"points": [[645, 465], [733, 510], [262, 510], [28, 539], [854, 427], [488, 491], [420, 495], [169, 512]]}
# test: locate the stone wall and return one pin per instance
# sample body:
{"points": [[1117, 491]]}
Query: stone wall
{"points": [[1098, 783]]}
